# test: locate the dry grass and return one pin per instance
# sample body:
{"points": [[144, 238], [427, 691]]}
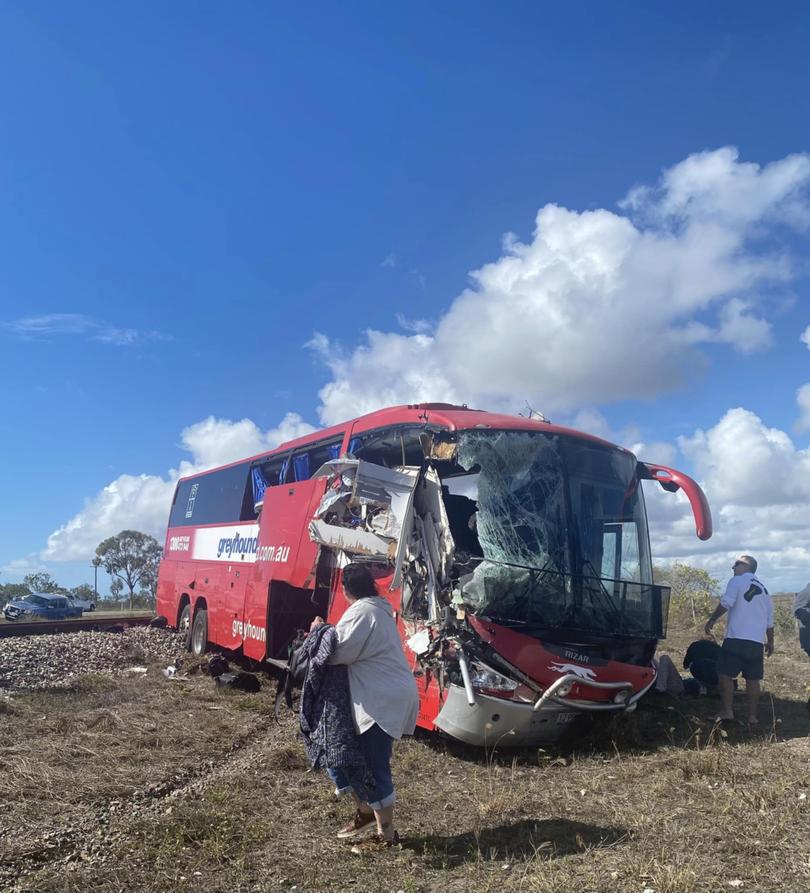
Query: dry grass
{"points": [[165, 786]]}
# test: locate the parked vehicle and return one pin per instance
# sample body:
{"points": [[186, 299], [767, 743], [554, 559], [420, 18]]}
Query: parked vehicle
{"points": [[515, 554], [50, 606], [84, 604]]}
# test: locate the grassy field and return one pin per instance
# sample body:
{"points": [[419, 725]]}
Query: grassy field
{"points": [[157, 785]]}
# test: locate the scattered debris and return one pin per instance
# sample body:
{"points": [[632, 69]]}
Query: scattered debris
{"points": [[241, 681], [217, 665]]}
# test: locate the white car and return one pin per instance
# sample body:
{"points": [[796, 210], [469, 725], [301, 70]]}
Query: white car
{"points": [[85, 604]]}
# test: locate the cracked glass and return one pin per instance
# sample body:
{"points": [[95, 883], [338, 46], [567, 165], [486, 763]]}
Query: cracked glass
{"points": [[563, 534]]}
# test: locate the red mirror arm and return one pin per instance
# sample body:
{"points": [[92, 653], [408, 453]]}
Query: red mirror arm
{"points": [[673, 480]]}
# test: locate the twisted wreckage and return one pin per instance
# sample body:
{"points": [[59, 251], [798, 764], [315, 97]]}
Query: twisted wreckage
{"points": [[515, 554]]}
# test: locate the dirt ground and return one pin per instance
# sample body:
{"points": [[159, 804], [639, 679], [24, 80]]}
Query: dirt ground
{"points": [[158, 785]]}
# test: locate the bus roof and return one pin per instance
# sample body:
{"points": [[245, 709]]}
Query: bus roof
{"points": [[436, 415]]}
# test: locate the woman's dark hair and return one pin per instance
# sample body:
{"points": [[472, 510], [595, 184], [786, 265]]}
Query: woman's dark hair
{"points": [[358, 582]]}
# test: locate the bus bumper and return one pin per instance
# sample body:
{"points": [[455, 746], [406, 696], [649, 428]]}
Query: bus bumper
{"points": [[496, 721]]}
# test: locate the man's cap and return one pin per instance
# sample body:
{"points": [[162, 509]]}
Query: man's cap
{"points": [[747, 559]]}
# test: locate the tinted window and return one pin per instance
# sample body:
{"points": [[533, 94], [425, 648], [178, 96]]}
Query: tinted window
{"points": [[220, 497], [306, 462]]}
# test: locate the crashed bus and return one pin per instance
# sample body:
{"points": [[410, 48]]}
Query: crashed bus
{"points": [[515, 554]]}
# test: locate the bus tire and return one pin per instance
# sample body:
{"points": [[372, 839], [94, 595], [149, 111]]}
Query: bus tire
{"points": [[184, 626], [199, 633]]}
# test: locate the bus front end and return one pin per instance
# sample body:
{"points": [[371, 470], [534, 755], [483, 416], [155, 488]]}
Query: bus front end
{"points": [[553, 613]]}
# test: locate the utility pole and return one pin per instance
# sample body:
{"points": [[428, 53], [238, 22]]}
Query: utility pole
{"points": [[95, 562]]}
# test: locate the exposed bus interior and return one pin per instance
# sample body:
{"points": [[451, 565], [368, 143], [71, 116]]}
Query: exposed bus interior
{"points": [[291, 609], [539, 532]]}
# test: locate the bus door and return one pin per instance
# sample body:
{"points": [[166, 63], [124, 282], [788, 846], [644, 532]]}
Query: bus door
{"points": [[278, 596]]}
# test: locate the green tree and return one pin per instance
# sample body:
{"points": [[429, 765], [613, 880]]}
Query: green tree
{"points": [[10, 591], [84, 591], [41, 582], [116, 588], [692, 589], [132, 558]]}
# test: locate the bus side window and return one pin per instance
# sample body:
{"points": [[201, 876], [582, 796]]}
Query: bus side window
{"points": [[390, 448], [306, 462], [268, 474]]}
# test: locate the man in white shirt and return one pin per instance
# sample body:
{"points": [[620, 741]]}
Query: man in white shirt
{"points": [[749, 635]]}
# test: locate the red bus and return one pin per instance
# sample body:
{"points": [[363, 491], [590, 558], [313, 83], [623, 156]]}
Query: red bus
{"points": [[515, 554]]}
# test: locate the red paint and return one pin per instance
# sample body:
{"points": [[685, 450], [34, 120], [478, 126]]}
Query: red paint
{"points": [[530, 657], [673, 480]]}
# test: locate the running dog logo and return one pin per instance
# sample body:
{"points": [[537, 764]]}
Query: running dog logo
{"points": [[582, 672]]}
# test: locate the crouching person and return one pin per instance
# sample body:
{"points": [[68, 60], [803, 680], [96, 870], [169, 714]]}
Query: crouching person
{"points": [[384, 704]]}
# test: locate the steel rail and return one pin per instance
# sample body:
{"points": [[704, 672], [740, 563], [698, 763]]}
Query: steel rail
{"points": [[13, 628]]}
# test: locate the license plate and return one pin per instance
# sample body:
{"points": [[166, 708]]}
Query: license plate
{"points": [[564, 717]]}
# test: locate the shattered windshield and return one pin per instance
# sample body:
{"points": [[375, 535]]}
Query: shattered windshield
{"points": [[561, 526]]}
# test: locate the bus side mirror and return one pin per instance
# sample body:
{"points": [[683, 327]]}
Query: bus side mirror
{"points": [[672, 481]]}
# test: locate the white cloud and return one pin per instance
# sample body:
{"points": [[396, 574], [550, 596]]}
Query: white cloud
{"points": [[417, 326], [758, 486], [748, 333], [142, 501], [47, 326], [749, 464], [21, 567], [805, 337], [598, 305], [803, 401]]}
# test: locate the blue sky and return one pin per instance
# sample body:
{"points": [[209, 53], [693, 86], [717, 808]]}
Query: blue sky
{"points": [[189, 192]]}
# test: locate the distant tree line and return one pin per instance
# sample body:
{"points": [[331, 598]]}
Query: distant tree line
{"points": [[694, 594], [131, 558]]}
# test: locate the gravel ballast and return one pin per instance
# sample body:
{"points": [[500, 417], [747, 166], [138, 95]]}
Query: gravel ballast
{"points": [[54, 661]]}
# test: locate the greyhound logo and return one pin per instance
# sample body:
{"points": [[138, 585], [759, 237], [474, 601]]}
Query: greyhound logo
{"points": [[582, 672]]}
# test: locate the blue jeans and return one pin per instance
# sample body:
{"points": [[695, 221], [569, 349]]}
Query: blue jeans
{"points": [[376, 746]]}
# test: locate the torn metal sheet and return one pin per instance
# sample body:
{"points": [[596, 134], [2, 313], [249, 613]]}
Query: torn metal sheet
{"points": [[335, 467], [352, 539], [430, 505], [370, 482], [329, 499], [419, 642], [430, 564]]}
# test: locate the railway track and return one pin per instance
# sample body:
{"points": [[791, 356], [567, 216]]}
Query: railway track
{"points": [[78, 624]]}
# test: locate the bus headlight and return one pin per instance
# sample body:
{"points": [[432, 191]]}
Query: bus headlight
{"points": [[621, 696], [564, 689], [490, 682]]}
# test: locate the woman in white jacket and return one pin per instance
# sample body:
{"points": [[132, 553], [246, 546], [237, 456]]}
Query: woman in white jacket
{"points": [[384, 698]]}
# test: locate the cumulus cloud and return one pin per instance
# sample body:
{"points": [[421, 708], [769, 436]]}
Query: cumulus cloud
{"points": [[142, 501], [47, 326], [598, 305], [748, 464], [758, 485], [747, 332], [803, 401], [21, 567]]}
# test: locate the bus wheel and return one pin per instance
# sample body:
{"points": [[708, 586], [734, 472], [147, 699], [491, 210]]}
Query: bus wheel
{"points": [[184, 626], [199, 633]]}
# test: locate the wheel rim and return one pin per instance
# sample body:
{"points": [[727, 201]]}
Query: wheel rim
{"points": [[185, 621], [198, 637]]}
